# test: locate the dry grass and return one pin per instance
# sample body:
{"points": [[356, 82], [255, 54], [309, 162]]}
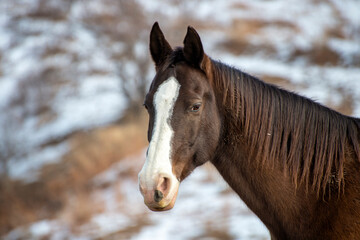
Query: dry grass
{"points": [[346, 106], [281, 82], [319, 54], [128, 232], [239, 34], [78, 209], [91, 152]]}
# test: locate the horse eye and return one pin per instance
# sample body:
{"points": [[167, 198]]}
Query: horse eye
{"points": [[145, 106], [195, 107]]}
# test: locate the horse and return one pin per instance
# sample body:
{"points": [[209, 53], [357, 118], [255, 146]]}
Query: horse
{"points": [[294, 162]]}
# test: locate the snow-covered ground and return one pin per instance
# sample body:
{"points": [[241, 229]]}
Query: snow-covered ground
{"points": [[206, 208], [48, 88], [58, 76]]}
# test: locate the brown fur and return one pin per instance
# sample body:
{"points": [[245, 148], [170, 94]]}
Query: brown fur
{"points": [[294, 162]]}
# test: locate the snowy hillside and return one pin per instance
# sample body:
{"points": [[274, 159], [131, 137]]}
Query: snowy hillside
{"points": [[206, 209], [59, 75], [71, 68]]}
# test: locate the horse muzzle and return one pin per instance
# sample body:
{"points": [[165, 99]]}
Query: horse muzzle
{"points": [[159, 195]]}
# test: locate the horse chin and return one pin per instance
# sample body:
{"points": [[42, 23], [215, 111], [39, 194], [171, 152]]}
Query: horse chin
{"points": [[160, 209], [163, 205]]}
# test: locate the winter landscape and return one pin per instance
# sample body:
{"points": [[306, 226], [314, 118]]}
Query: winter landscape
{"points": [[73, 75]]}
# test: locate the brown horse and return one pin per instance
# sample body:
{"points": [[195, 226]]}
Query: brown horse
{"points": [[294, 162]]}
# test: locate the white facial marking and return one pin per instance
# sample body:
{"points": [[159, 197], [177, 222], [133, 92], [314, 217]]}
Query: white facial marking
{"points": [[158, 159]]}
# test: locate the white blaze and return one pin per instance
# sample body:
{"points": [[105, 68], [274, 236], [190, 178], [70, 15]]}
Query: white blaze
{"points": [[158, 159]]}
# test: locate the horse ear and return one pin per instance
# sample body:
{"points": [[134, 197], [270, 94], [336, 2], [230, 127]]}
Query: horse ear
{"points": [[193, 49], [159, 47]]}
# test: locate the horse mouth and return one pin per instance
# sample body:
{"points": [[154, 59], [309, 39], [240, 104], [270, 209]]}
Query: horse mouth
{"points": [[161, 209], [164, 205]]}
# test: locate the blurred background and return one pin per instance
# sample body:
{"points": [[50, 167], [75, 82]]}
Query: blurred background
{"points": [[73, 75]]}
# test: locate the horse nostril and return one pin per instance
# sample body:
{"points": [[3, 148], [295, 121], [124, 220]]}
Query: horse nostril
{"points": [[158, 196], [164, 184]]}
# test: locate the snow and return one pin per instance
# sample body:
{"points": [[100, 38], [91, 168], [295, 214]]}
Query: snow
{"points": [[7, 88], [203, 194], [97, 103], [348, 49], [28, 168], [41, 228], [89, 101], [205, 205], [350, 11], [107, 223]]}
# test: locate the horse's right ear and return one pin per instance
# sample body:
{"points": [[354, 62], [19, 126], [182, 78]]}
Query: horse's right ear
{"points": [[159, 47]]}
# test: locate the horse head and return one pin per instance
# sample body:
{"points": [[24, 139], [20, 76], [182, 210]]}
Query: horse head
{"points": [[184, 122]]}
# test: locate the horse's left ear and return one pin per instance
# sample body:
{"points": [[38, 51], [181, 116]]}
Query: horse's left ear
{"points": [[193, 49]]}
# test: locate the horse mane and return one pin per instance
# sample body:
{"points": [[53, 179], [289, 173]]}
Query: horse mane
{"points": [[309, 139]]}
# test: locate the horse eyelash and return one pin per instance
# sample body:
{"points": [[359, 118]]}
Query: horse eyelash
{"points": [[197, 105]]}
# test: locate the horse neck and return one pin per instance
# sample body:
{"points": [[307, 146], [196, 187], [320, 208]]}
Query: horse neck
{"points": [[267, 191], [269, 186]]}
